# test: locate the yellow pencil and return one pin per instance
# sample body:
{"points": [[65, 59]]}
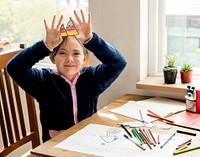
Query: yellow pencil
{"points": [[182, 148], [153, 113]]}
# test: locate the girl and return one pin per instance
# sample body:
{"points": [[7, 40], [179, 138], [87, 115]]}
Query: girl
{"points": [[70, 93]]}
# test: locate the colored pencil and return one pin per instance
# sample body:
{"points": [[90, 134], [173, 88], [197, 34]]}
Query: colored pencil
{"points": [[182, 148], [158, 139], [152, 136], [137, 136], [126, 130], [187, 133], [141, 116], [168, 140]]}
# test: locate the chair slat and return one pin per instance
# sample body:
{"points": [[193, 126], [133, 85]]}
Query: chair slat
{"points": [[32, 119], [3, 128], [5, 108], [19, 107], [12, 106]]}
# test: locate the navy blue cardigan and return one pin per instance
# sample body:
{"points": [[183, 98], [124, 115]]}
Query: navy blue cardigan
{"points": [[53, 93]]}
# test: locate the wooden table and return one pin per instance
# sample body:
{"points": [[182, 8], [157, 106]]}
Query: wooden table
{"points": [[103, 116]]}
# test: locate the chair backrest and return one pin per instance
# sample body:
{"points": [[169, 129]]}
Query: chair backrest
{"points": [[16, 107]]}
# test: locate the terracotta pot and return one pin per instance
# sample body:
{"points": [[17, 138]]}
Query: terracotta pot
{"points": [[186, 77]]}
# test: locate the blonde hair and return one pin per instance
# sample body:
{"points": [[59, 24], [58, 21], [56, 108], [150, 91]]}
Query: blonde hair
{"points": [[65, 39]]}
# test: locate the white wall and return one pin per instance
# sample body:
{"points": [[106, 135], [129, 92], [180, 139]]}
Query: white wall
{"points": [[118, 22]]}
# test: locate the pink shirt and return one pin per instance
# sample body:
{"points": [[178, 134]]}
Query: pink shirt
{"points": [[72, 84]]}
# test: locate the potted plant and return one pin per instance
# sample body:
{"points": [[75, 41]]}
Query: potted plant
{"points": [[170, 71], [186, 73]]}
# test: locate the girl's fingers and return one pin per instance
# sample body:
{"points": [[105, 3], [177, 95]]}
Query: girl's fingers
{"points": [[53, 21], [82, 15], [77, 17], [45, 24], [89, 18], [60, 22]]}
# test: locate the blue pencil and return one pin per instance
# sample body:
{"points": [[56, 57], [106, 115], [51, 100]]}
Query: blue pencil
{"points": [[168, 140]]}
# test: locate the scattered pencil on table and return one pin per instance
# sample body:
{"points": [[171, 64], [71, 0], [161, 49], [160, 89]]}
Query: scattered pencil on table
{"points": [[158, 139], [141, 116], [182, 148], [137, 136], [168, 139], [152, 136], [126, 130], [186, 133]]}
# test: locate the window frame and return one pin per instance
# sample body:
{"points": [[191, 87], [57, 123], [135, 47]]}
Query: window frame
{"points": [[156, 38]]}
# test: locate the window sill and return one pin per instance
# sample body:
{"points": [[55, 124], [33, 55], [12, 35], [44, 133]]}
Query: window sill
{"points": [[157, 83]]}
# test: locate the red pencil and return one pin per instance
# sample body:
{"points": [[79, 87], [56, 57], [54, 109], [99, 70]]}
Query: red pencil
{"points": [[170, 121], [158, 139]]}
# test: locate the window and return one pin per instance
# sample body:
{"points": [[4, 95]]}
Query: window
{"points": [[22, 20], [175, 28]]}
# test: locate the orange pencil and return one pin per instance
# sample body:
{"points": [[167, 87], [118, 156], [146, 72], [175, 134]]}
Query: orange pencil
{"points": [[153, 113]]}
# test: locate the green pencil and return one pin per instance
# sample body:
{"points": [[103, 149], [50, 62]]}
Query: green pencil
{"points": [[137, 136], [186, 150]]}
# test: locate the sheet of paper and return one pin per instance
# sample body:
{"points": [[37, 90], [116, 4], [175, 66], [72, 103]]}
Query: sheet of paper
{"points": [[108, 141], [159, 105]]}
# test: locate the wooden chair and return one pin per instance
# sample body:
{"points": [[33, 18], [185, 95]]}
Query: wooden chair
{"points": [[17, 129]]}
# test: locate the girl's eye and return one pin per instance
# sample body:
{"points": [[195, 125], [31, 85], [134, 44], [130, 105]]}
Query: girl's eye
{"points": [[61, 53], [76, 53]]}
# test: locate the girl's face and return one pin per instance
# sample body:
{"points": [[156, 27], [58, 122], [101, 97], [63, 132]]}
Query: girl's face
{"points": [[70, 58]]}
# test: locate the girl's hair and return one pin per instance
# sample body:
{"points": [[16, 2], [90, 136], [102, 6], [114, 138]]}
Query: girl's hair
{"points": [[65, 39]]}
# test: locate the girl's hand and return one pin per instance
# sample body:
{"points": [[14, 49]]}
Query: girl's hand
{"points": [[53, 35], [83, 27]]}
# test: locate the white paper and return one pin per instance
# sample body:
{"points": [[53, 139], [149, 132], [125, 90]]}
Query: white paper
{"points": [[108, 141], [159, 105]]}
